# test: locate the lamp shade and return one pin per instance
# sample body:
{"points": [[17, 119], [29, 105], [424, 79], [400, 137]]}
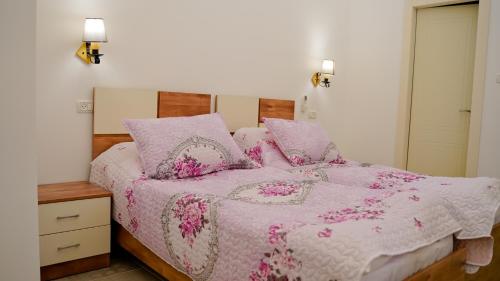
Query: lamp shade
{"points": [[94, 30], [328, 67]]}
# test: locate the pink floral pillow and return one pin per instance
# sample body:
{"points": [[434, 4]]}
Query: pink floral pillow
{"points": [[259, 145], [303, 142], [181, 147]]}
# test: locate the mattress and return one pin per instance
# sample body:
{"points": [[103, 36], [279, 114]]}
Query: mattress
{"points": [[123, 166]]}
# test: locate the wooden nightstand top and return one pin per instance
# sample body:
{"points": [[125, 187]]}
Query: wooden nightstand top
{"points": [[69, 191]]}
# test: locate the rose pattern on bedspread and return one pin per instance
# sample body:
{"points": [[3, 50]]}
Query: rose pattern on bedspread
{"points": [[394, 179], [356, 213], [278, 188], [133, 224], [279, 264], [255, 153], [372, 208], [289, 192], [418, 223], [325, 233], [190, 228], [311, 171], [338, 161], [191, 211]]}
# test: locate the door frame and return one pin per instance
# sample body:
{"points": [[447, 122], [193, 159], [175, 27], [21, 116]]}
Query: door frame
{"points": [[478, 83]]}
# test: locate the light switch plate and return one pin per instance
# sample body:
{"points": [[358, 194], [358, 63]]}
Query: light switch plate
{"points": [[84, 106], [498, 78], [312, 115], [303, 107]]}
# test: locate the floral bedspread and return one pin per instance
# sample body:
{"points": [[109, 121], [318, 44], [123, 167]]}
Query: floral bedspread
{"points": [[269, 224], [473, 202]]}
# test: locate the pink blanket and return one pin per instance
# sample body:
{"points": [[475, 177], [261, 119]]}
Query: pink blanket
{"points": [[473, 202], [267, 224]]}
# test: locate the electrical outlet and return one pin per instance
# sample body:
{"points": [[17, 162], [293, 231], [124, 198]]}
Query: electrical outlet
{"points": [[84, 106], [312, 115]]}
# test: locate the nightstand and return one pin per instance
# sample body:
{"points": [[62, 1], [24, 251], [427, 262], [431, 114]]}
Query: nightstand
{"points": [[74, 226]]}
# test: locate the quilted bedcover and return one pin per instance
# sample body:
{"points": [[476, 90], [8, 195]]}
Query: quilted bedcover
{"points": [[269, 224], [473, 202]]}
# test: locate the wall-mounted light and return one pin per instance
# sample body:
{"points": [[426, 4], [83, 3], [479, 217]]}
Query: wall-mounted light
{"points": [[93, 33], [322, 78]]}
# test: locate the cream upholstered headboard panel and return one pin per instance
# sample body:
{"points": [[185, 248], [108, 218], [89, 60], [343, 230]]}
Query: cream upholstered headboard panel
{"points": [[242, 111], [112, 105], [238, 111]]}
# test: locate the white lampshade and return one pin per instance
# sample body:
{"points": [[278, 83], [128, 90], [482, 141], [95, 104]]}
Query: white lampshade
{"points": [[328, 67], [94, 30]]}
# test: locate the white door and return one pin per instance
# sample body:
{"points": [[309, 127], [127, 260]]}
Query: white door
{"points": [[442, 88]]}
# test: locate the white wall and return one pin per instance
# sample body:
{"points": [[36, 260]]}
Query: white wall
{"points": [[360, 111], [18, 206], [262, 48], [489, 156]]}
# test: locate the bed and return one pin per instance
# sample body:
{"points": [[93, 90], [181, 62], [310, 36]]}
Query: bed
{"points": [[441, 260], [138, 201]]}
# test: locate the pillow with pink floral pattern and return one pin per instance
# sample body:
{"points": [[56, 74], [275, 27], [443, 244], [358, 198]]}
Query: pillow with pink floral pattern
{"points": [[259, 145], [303, 142], [181, 147]]}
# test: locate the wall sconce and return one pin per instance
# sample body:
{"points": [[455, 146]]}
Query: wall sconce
{"points": [[322, 78], [94, 33]]}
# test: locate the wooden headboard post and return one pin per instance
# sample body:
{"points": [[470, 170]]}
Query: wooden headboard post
{"points": [[273, 108], [171, 104]]}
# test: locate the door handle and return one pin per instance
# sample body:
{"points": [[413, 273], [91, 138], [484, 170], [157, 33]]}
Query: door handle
{"points": [[464, 110]]}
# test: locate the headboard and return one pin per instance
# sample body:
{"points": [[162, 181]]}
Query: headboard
{"points": [[112, 105], [241, 111]]}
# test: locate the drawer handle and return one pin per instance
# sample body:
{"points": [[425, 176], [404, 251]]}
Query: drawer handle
{"points": [[68, 247], [68, 217]]}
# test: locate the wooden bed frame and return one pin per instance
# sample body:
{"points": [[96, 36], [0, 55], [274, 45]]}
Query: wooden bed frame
{"points": [[449, 268], [172, 104]]}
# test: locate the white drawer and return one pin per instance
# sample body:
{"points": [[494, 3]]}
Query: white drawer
{"points": [[73, 215], [72, 245]]}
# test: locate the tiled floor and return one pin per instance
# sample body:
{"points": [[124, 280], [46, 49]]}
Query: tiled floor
{"points": [[124, 267]]}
